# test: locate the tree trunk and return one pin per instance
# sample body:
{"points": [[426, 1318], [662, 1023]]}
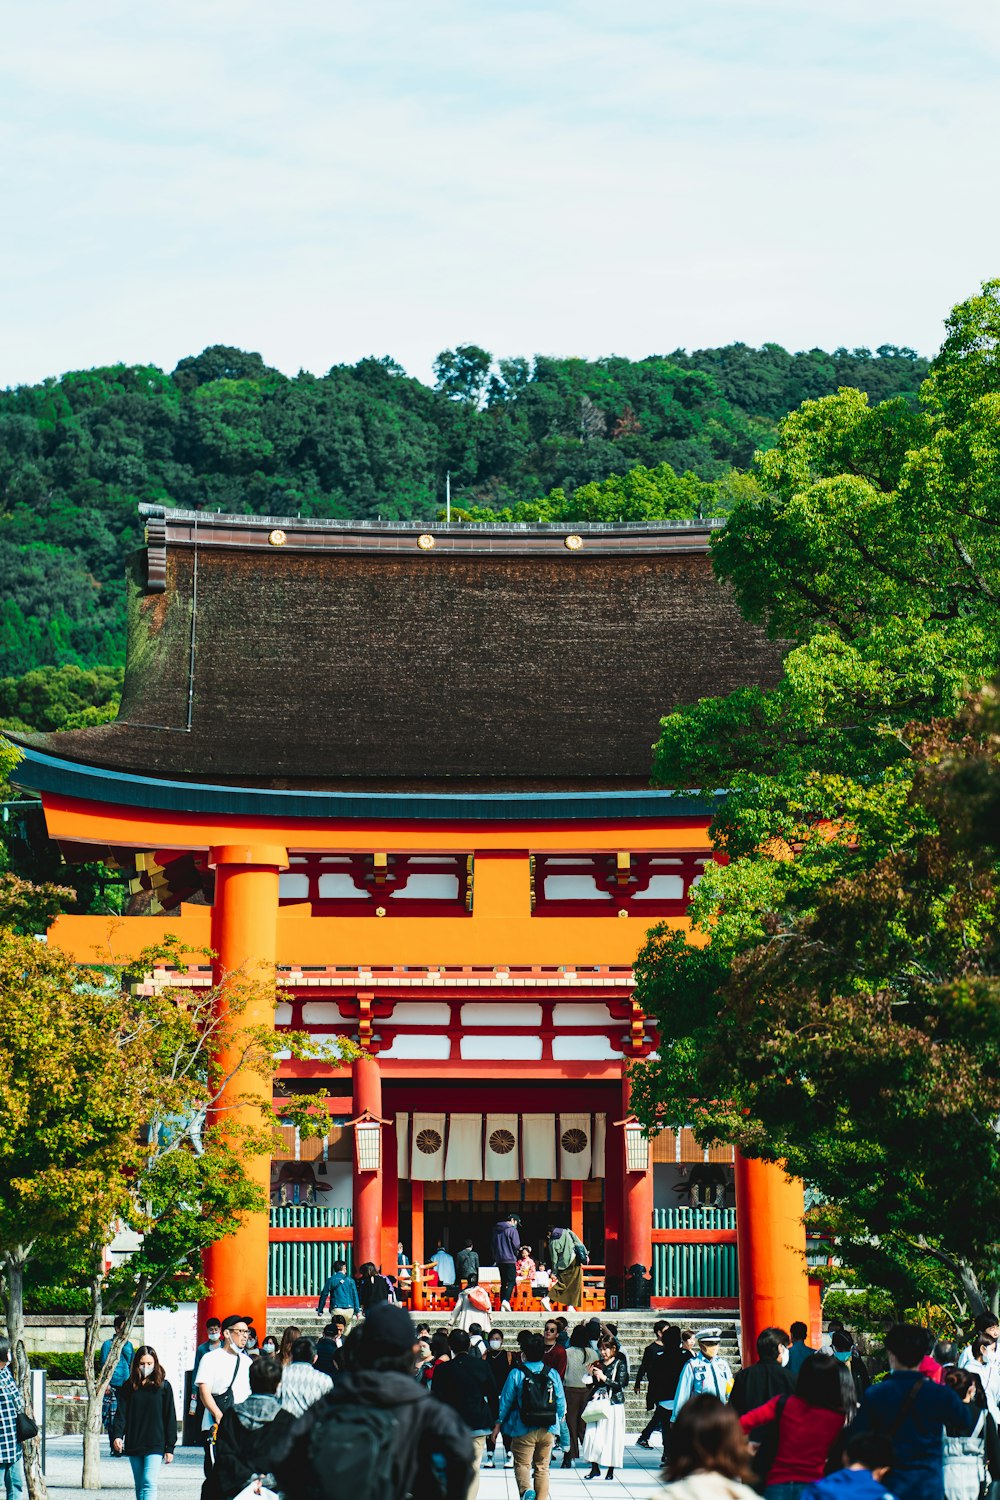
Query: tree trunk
{"points": [[14, 1268], [98, 1379]]}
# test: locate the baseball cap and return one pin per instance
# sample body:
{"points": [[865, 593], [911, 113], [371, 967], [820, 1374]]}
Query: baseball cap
{"points": [[235, 1318]]}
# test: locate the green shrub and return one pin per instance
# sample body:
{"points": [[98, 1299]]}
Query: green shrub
{"points": [[58, 1364]]}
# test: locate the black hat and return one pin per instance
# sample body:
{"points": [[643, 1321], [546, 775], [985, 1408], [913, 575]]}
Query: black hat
{"points": [[388, 1329], [235, 1318]]}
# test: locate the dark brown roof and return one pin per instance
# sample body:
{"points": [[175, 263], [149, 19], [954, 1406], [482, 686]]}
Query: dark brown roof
{"points": [[350, 655]]}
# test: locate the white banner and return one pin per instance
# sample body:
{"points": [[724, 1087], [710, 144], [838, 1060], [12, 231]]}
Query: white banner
{"points": [[427, 1157], [575, 1147], [403, 1146], [600, 1145], [173, 1333], [501, 1149], [539, 1145], [465, 1148]]}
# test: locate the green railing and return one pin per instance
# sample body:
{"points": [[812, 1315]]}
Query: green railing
{"points": [[694, 1218], [694, 1270], [298, 1268], [310, 1216]]}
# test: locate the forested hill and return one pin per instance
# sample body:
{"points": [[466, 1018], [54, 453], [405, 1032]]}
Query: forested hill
{"points": [[223, 431]]}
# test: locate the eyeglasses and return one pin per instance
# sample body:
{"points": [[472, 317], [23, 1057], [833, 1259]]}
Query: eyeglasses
{"points": [[240, 1333]]}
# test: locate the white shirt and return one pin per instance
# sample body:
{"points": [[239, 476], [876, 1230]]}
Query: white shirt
{"points": [[700, 1376], [216, 1371], [301, 1386]]}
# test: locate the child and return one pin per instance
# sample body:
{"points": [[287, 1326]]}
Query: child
{"points": [[868, 1457]]}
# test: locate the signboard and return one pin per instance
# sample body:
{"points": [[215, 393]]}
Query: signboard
{"points": [[173, 1333]]}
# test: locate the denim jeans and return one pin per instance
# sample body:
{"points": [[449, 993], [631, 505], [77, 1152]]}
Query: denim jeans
{"points": [[13, 1479], [145, 1473], [783, 1491]]}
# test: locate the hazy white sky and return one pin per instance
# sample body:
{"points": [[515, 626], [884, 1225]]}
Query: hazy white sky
{"points": [[327, 179]]}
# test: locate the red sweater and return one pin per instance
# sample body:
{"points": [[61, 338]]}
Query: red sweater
{"points": [[803, 1441]]}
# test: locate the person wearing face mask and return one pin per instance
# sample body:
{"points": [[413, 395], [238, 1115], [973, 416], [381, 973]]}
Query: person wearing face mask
{"points": [[144, 1427], [498, 1363], [213, 1340], [769, 1377], [269, 1347], [843, 1349]]}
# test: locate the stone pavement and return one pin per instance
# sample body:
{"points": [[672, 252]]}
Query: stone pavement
{"points": [[181, 1480]]}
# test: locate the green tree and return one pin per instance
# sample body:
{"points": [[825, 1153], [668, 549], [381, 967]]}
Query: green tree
{"points": [[849, 898]]}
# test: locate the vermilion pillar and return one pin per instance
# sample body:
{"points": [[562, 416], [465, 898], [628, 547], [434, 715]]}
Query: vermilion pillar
{"points": [[771, 1249], [390, 1200], [637, 1199], [367, 1084], [244, 938]]}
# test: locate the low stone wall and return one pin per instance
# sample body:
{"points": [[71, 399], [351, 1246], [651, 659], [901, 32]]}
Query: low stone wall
{"points": [[65, 1406], [63, 1332]]}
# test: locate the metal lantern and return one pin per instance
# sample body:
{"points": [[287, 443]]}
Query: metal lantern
{"points": [[368, 1144], [636, 1147]]}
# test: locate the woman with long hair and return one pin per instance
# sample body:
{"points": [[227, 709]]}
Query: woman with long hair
{"points": [[144, 1426], [372, 1288], [707, 1457], [288, 1338], [808, 1422], [578, 1385], [440, 1353], [604, 1444]]}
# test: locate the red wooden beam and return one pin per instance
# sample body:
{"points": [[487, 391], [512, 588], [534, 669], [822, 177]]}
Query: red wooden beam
{"points": [[332, 1232], [694, 1236]]}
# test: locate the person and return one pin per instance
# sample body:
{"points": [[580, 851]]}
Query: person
{"points": [[807, 1422], [269, 1346], [497, 1362], [981, 1359], [985, 1326], [288, 1338], [225, 1372], [707, 1457], [604, 1443], [467, 1264], [144, 1427], [11, 1466], [526, 1267], [689, 1341], [665, 1373], [473, 1308], [964, 1456], [378, 1432], [706, 1372], [946, 1353], [842, 1347], [914, 1411], [532, 1394], [213, 1337], [567, 1257], [868, 1457], [563, 1325], [341, 1291], [373, 1288], [798, 1350], [120, 1375], [757, 1383], [651, 1352], [578, 1385], [302, 1383], [330, 1345], [440, 1350], [554, 1357], [252, 1436], [465, 1384], [506, 1244], [477, 1340], [444, 1263]]}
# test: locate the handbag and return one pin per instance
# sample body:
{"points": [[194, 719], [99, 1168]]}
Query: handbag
{"points": [[25, 1427], [225, 1400], [597, 1409]]}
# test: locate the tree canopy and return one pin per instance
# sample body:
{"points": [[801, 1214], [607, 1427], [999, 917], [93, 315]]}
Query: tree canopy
{"points": [[843, 1010]]}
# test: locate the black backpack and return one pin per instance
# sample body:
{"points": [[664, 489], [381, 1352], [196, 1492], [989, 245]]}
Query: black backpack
{"points": [[352, 1451], [538, 1399]]}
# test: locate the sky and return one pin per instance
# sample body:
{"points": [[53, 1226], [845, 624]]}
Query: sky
{"points": [[326, 180]]}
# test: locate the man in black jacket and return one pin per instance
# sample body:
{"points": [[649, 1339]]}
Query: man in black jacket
{"points": [[756, 1384], [378, 1433], [652, 1351], [467, 1264], [466, 1385]]}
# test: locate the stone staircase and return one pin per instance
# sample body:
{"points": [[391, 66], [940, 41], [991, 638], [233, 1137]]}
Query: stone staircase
{"points": [[635, 1331]]}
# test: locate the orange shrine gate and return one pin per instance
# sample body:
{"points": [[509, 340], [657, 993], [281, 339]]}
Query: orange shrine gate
{"points": [[403, 771]]}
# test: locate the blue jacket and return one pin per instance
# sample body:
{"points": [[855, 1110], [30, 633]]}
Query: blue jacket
{"points": [[847, 1484], [506, 1242], [511, 1423], [342, 1291], [918, 1473], [123, 1369]]}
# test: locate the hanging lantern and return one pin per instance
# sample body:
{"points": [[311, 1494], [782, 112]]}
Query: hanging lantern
{"points": [[368, 1142], [636, 1145]]}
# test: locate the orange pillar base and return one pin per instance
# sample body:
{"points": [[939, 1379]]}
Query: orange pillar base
{"points": [[771, 1248]]}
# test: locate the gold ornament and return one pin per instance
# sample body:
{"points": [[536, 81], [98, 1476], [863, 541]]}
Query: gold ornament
{"points": [[622, 912], [425, 541], [574, 543], [277, 538]]}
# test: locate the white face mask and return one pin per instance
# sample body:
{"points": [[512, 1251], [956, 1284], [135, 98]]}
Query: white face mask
{"points": [[496, 1343], [146, 1370], [782, 1355], [214, 1335]]}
